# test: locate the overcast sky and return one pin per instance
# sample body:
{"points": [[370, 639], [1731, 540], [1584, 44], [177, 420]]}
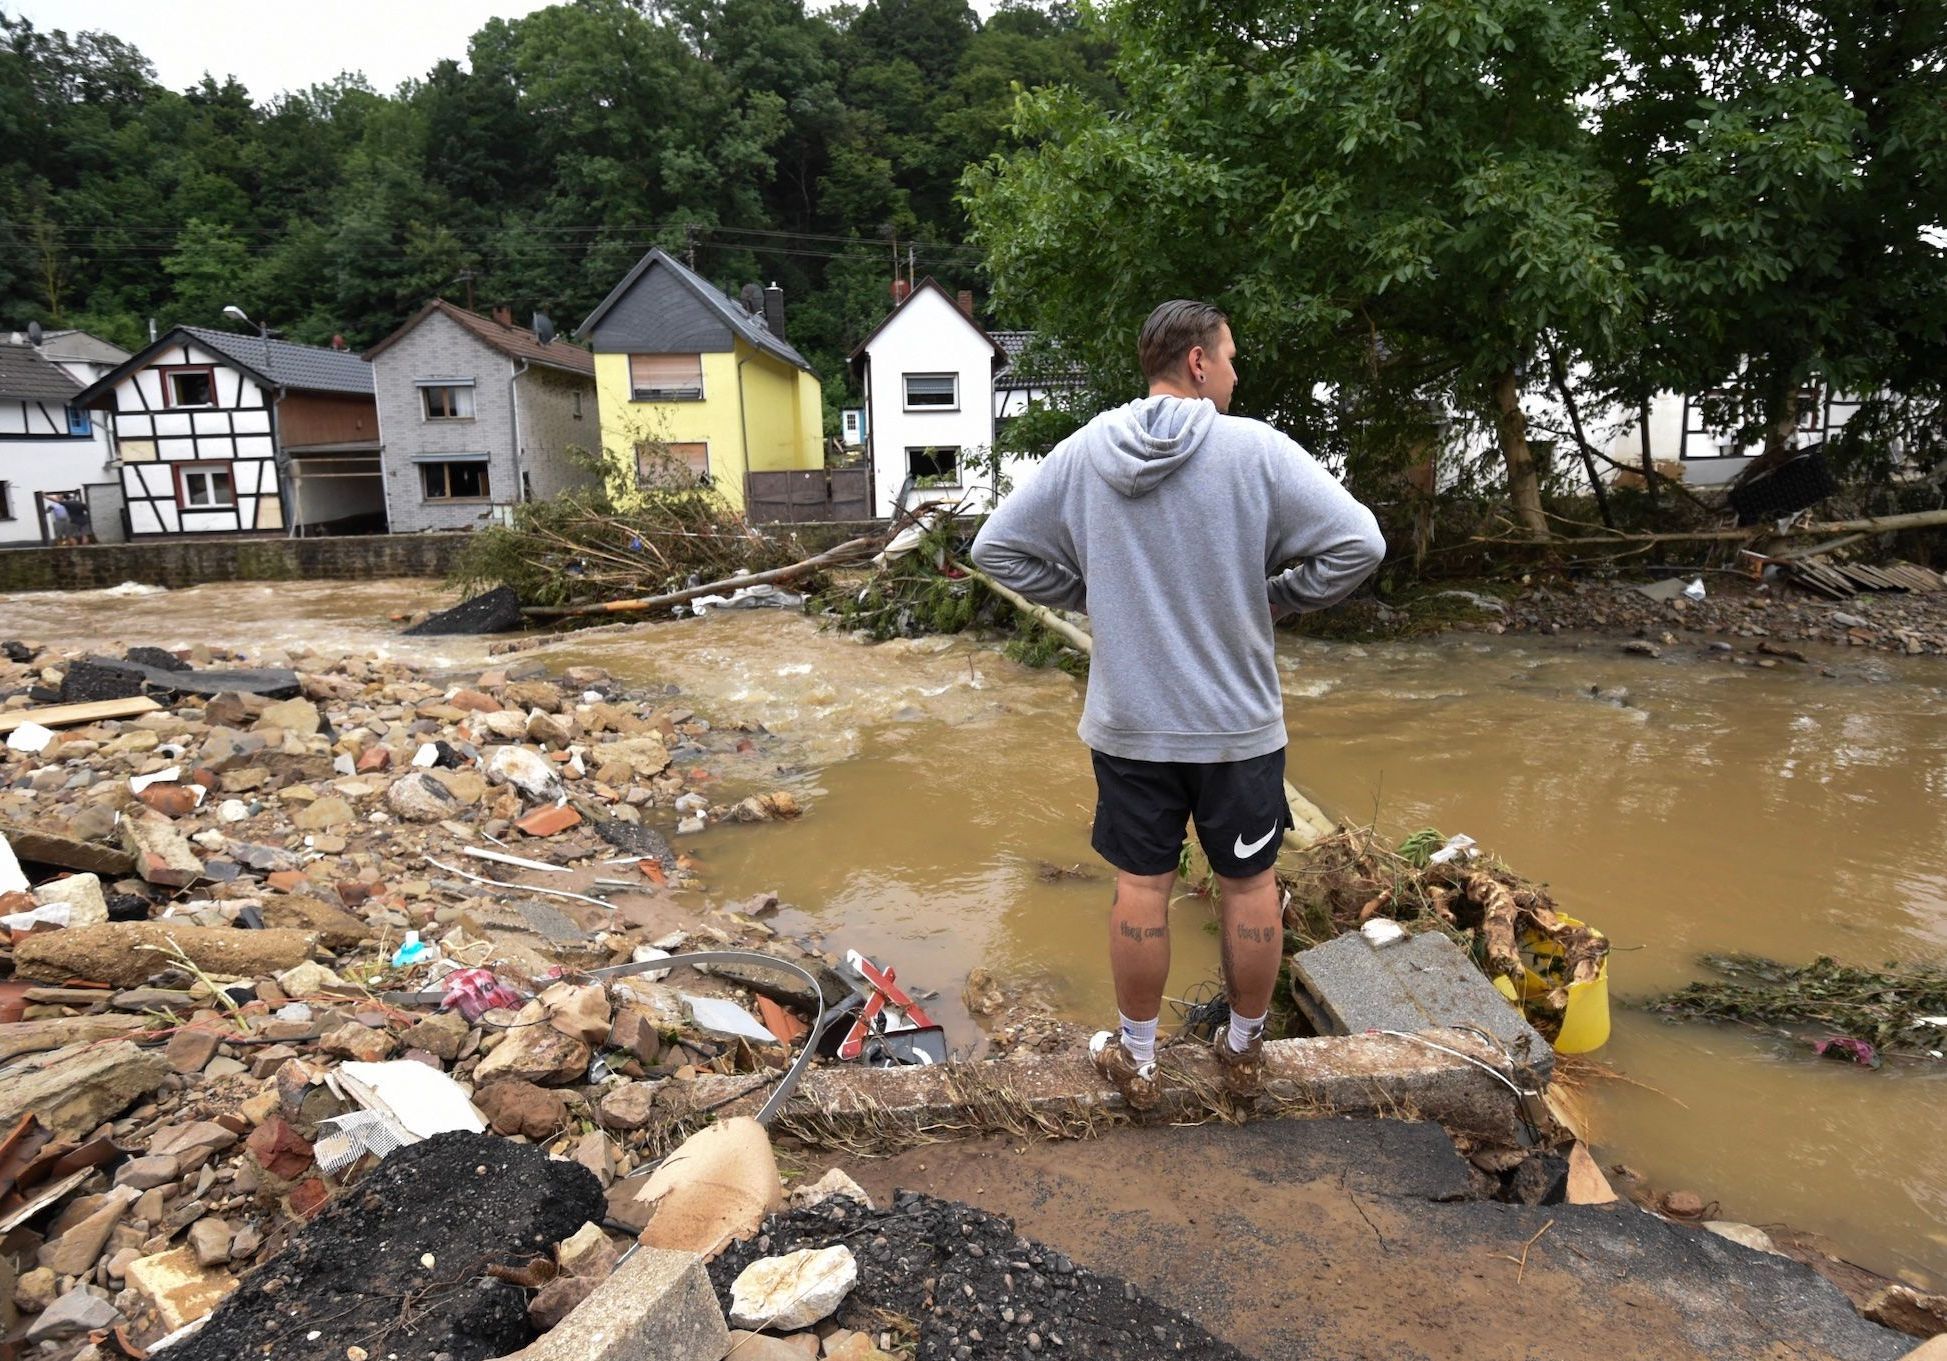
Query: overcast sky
{"points": [[275, 45]]}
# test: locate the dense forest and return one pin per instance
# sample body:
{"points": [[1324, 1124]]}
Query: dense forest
{"points": [[1427, 220], [761, 142]]}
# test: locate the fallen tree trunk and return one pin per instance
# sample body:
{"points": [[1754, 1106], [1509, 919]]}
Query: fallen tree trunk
{"points": [[1311, 823], [1879, 524], [845, 552]]}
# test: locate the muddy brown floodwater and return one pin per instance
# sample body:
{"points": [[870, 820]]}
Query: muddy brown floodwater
{"points": [[1712, 808]]}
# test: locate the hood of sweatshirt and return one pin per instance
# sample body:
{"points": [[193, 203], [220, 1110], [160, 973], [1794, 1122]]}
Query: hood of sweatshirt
{"points": [[1136, 447]]}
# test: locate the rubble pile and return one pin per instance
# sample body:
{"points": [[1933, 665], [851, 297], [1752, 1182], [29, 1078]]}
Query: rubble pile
{"points": [[1735, 609], [255, 945], [945, 1282]]}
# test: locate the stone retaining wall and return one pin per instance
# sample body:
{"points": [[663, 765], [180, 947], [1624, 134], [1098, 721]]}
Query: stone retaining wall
{"points": [[180, 562]]}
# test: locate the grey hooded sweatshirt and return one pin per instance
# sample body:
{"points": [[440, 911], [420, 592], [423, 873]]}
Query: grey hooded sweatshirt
{"points": [[1167, 522]]}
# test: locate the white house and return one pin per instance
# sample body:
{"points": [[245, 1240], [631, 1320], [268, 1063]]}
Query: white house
{"points": [[50, 444], [928, 375]]}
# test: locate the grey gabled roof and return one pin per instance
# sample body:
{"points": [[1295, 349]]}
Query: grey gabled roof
{"points": [[743, 324], [304, 368], [1050, 371], [24, 372], [81, 348]]}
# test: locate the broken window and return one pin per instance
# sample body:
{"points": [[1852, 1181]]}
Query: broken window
{"points": [[933, 391], [448, 401], [205, 486], [461, 480], [934, 466], [190, 387], [666, 377]]}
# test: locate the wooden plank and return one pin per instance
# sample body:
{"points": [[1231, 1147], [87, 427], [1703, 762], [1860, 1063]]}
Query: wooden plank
{"points": [[68, 715]]}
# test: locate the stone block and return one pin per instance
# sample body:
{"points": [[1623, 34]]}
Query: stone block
{"points": [[1424, 982], [125, 954], [161, 854], [75, 1095], [656, 1304], [180, 1289], [82, 893]]}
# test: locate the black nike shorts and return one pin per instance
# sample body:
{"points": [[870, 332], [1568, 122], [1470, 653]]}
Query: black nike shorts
{"points": [[1141, 808]]}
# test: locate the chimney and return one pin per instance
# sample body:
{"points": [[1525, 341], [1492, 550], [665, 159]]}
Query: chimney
{"points": [[774, 310], [505, 316], [337, 342], [966, 303], [900, 290]]}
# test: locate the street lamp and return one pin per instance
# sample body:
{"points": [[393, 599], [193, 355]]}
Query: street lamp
{"points": [[236, 313]]}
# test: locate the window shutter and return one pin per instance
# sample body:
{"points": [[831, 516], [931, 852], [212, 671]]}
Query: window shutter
{"points": [[672, 374]]}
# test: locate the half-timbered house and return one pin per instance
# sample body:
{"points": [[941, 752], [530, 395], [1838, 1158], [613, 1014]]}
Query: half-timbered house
{"points": [[51, 448], [218, 433]]}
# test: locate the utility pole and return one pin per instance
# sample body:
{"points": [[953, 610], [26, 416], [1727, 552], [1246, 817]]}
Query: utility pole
{"points": [[909, 266]]}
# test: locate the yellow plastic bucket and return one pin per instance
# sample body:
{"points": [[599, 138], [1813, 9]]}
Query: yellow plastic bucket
{"points": [[1585, 1020]]}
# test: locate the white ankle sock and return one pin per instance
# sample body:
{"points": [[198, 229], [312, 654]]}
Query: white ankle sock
{"points": [[1139, 1038], [1244, 1029]]}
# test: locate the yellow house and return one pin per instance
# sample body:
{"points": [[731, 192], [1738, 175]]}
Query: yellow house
{"points": [[681, 367]]}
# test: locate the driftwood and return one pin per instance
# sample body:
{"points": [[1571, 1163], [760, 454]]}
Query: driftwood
{"points": [[1312, 824], [67, 715], [845, 552], [1879, 524]]}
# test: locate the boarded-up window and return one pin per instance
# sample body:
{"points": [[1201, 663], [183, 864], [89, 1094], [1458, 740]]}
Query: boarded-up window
{"points": [[666, 377], [660, 464]]}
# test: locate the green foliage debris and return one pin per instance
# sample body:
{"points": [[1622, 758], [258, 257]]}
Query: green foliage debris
{"points": [[1902, 1009]]}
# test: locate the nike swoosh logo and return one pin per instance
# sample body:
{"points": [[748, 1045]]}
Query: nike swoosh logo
{"points": [[1243, 852]]}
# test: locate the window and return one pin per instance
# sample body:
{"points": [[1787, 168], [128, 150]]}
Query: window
{"points": [[457, 481], [935, 466], [205, 486], [932, 392], [79, 422], [577, 403], [666, 377], [190, 387], [448, 401], [660, 464], [6, 500]]}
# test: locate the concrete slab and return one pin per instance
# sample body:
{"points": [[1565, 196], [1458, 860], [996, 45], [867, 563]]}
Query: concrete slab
{"points": [[656, 1304], [1062, 1094], [1424, 982]]}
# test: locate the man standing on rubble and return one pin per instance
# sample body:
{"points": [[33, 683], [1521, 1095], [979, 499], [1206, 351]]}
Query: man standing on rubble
{"points": [[1166, 521]]}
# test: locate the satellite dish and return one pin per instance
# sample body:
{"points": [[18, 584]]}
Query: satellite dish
{"points": [[543, 328], [34, 334], [752, 297]]}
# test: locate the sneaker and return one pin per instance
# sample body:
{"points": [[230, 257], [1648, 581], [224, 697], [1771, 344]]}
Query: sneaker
{"points": [[1243, 1072], [1137, 1082]]}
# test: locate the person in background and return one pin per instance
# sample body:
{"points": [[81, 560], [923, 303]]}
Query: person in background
{"points": [[59, 527], [80, 522]]}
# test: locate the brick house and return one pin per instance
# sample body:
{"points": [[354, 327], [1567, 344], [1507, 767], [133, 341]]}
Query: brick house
{"points": [[477, 413]]}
